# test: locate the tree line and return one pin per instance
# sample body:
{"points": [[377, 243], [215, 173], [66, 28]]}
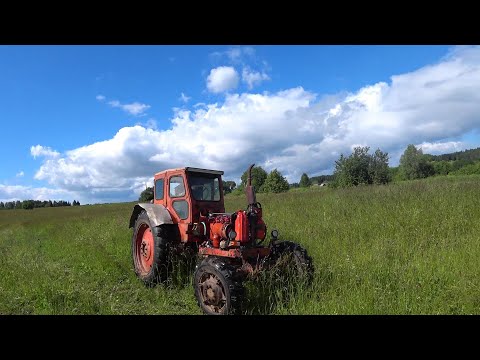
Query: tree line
{"points": [[416, 165], [363, 168], [469, 155], [31, 204], [360, 168]]}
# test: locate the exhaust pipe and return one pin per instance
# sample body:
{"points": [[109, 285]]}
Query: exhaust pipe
{"points": [[251, 199]]}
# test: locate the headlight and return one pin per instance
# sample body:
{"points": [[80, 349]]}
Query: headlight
{"points": [[232, 235]]}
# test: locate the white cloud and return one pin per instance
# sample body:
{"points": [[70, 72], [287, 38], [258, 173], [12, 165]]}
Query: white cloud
{"points": [[19, 192], [39, 150], [222, 78], [441, 147], [135, 108], [288, 130], [151, 123], [237, 53], [253, 78], [184, 98], [20, 174]]}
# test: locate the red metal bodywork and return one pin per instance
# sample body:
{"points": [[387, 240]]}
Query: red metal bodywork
{"points": [[207, 224], [241, 226], [194, 206]]}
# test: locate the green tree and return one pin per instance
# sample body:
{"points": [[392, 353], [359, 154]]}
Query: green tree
{"points": [[275, 182], [395, 174], [441, 167], [414, 165], [469, 169], [353, 170], [28, 204], [146, 195], [258, 178], [304, 180], [228, 186], [2, 205], [378, 168], [362, 168]]}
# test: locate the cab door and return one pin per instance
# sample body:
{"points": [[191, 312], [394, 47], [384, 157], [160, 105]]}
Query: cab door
{"points": [[178, 201], [159, 193]]}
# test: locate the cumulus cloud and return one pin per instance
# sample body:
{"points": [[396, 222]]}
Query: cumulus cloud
{"points": [[19, 192], [293, 130], [20, 174], [134, 108], [100, 98], [253, 78], [436, 148], [221, 79], [39, 150]]}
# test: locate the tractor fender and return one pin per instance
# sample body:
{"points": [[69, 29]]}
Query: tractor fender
{"points": [[158, 214]]}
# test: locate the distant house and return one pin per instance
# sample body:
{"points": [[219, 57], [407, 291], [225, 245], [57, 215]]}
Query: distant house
{"points": [[323, 184]]}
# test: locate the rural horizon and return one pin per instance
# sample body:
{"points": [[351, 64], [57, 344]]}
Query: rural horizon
{"points": [[136, 110]]}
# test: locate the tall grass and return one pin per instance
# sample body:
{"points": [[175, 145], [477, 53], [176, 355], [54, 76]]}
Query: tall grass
{"points": [[406, 248]]}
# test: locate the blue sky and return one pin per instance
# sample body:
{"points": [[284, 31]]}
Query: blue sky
{"points": [[95, 122]]}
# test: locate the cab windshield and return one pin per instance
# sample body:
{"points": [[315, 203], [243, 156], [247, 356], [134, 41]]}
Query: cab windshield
{"points": [[204, 187]]}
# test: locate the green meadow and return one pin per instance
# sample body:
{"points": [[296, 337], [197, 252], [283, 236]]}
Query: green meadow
{"points": [[411, 247]]}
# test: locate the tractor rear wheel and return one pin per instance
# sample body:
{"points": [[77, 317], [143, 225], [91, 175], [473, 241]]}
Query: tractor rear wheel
{"points": [[150, 251], [218, 290], [290, 258]]}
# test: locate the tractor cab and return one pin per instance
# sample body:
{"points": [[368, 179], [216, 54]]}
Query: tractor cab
{"points": [[189, 193]]}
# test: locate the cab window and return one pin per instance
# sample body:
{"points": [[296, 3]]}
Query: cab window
{"points": [[181, 208], [204, 187], [159, 189], [177, 187]]}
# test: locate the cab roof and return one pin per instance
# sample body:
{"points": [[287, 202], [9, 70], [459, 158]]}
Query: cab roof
{"points": [[193, 169]]}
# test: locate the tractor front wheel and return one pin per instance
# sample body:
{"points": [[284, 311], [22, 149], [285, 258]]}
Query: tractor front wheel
{"points": [[218, 289]]}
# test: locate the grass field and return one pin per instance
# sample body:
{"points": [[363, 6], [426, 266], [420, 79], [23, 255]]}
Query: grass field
{"points": [[406, 248]]}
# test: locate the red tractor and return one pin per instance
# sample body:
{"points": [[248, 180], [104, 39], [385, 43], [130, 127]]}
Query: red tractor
{"points": [[188, 214]]}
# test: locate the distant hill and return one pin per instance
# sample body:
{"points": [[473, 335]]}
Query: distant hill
{"points": [[468, 155]]}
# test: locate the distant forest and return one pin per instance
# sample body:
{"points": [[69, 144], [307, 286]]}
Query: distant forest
{"points": [[31, 204], [469, 155]]}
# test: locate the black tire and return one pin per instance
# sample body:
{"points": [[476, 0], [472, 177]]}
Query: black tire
{"points": [[216, 277], [158, 270], [287, 257]]}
